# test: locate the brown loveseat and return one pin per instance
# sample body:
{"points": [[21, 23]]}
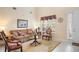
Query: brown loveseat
{"points": [[22, 34]]}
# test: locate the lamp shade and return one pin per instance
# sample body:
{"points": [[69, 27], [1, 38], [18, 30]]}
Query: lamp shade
{"points": [[2, 28]]}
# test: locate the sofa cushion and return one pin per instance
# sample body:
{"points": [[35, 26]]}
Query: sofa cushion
{"points": [[29, 31], [15, 33], [21, 33], [20, 37]]}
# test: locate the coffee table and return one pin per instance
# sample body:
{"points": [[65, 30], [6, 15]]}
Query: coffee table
{"points": [[35, 42]]}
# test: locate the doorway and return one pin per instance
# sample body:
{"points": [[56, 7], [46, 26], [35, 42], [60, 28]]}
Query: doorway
{"points": [[69, 26]]}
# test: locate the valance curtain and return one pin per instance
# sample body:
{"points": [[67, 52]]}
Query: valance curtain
{"points": [[48, 17]]}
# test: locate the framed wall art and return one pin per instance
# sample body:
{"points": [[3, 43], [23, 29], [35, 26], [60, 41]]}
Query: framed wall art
{"points": [[22, 23], [60, 20]]}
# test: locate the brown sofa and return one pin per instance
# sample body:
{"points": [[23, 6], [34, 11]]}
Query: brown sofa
{"points": [[22, 35]]}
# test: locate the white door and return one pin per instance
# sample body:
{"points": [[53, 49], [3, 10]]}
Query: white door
{"points": [[69, 26], [75, 26]]}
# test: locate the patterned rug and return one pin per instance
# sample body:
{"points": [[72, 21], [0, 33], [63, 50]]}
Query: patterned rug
{"points": [[45, 46], [53, 45]]}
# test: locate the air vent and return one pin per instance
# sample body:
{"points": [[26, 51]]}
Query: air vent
{"points": [[14, 8]]}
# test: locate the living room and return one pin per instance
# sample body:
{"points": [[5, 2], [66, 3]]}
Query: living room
{"points": [[11, 19]]}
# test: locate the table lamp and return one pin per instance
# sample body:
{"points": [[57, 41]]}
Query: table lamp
{"points": [[2, 28]]}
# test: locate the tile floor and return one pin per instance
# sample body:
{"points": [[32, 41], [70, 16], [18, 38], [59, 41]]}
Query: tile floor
{"points": [[66, 47]]}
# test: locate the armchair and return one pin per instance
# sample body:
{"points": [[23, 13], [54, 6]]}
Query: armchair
{"points": [[47, 35], [11, 45]]}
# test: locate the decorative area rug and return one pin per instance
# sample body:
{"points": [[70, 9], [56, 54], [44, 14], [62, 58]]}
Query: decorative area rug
{"points": [[53, 45], [45, 46]]}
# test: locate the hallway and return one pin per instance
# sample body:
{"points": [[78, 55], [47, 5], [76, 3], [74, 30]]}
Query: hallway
{"points": [[66, 47]]}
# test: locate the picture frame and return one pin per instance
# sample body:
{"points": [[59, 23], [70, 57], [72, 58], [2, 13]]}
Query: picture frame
{"points": [[22, 23]]}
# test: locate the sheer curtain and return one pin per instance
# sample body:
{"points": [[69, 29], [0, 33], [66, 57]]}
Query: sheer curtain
{"points": [[48, 21], [45, 24], [69, 26]]}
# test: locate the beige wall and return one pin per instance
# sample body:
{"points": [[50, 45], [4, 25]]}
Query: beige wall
{"points": [[61, 28], [8, 17]]}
